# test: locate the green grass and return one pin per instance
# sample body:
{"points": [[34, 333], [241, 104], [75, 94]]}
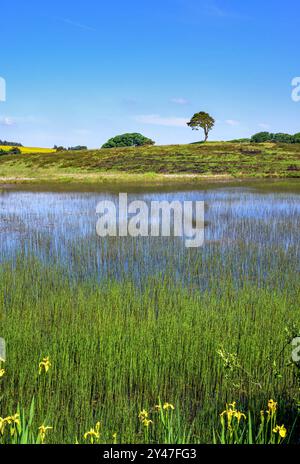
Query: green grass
{"points": [[117, 348], [156, 164], [131, 322]]}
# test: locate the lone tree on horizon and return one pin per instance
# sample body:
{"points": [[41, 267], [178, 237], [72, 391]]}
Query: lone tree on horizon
{"points": [[202, 120]]}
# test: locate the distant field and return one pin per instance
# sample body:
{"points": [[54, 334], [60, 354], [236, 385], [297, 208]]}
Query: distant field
{"points": [[211, 160], [28, 149]]}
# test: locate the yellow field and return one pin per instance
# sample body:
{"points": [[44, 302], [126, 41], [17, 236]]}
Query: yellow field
{"points": [[29, 149]]}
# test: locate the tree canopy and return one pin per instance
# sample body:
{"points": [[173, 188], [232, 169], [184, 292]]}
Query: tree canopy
{"points": [[203, 121], [262, 137], [5, 143], [128, 140]]}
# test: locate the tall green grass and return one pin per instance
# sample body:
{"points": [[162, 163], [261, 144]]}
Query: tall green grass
{"points": [[117, 347]]}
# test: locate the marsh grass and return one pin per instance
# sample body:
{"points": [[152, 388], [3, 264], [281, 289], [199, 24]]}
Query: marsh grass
{"points": [[128, 322], [115, 349]]}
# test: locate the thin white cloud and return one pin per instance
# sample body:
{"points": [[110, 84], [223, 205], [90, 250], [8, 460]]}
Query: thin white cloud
{"points": [[7, 121], [157, 120], [180, 101], [78, 25], [197, 9], [215, 10], [15, 120], [232, 122]]}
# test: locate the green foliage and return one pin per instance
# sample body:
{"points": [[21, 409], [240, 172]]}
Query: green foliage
{"points": [[203, 121], [115, 346], [237, 428], [283, 138], [18, 429], [78, 148], [4, 143], [263, 137], [60, 148], [297, 138], [128, 140]]}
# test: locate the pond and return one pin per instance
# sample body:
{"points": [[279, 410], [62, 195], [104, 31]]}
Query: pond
{"points": [[249, 232]]}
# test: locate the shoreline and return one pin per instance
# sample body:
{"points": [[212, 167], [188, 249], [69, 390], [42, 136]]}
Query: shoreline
{"points": [[152, 182]]}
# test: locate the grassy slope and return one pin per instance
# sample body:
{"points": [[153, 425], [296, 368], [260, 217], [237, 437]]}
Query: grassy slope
{"points": [[197, 160]]}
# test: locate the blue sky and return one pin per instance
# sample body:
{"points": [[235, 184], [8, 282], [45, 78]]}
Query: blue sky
{"points": [[81, 72]]}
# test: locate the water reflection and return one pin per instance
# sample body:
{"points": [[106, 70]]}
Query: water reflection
{"points": [[248, 233]]}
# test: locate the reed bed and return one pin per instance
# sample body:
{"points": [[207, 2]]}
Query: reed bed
{"points": [[116, 349], [131, 324]]}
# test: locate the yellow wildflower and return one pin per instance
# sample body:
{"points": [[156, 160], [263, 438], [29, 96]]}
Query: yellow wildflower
{"points": [[281, 430], [230, 413], [239, 415], [272, 407], [42, 432], [98, 427], [147, 422], [3, 422], [2, 372], [143, 415], [168, 406], [44, 365], [13, 420], [157, 407], [93, 433]]}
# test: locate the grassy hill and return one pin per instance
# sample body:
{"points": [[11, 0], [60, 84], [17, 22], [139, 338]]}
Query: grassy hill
{"points": [[214, 159]]}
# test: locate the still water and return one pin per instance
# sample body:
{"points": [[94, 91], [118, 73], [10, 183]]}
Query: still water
{"points": [[248, 233]]}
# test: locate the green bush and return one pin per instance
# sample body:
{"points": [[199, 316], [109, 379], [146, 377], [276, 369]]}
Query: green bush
{"points": [[262, 137], [128, 140]]}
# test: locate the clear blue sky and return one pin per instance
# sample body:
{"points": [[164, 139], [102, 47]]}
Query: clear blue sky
{"points": [[80, 72]]}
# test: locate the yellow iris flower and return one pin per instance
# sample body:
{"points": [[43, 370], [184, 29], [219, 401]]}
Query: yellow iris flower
{"points": [[168, 406], [93, 433], [281, 430], [43, 429], [44, 365]]}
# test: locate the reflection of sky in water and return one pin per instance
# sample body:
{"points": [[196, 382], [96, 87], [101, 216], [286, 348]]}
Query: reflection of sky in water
{"points": [[62, 226]]}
